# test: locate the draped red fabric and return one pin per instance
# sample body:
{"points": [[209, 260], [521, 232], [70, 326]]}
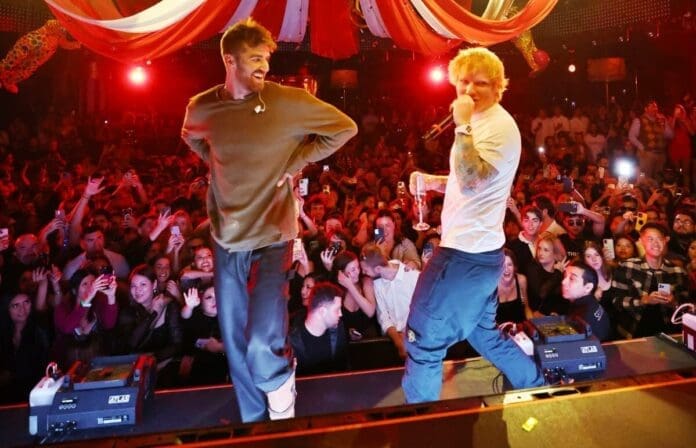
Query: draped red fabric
{"points": [[203, 23], [270, 13], [409, 31], [332, 32], [104, 10], [460, 21]]}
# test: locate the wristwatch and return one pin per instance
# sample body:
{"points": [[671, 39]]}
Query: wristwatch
{"points": [[464, 129]]}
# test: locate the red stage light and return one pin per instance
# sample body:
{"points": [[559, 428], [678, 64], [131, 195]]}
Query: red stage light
{"points": [[571, 68], [137, 76], [437, 75]]}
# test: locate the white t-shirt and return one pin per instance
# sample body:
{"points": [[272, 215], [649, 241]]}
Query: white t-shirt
{"points": [[472, 220], [394, 297]]}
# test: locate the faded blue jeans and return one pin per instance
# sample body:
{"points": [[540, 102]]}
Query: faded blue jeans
{"points": [[251, 290], [455, 299]]}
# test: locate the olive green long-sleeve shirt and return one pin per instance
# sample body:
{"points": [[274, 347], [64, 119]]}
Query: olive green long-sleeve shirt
{"points": [[248, 152]]}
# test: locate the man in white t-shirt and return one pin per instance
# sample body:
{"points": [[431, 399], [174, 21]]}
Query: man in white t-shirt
{"points": [[394, 283], [455, 297]]}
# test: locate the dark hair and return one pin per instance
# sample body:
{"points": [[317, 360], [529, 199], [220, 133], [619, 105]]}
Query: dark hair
{"points": [[588, 274], [316, 276], [530, 209], [316, 199], [91, 229], [545, 203], [245, 32], [338, 216], [102, 211], [363, 195], [144, 218], [144, 270], [510, 254], [76, 279], [323, 293], [384, 213], [342, 259], [683, 210], [655, 226]]}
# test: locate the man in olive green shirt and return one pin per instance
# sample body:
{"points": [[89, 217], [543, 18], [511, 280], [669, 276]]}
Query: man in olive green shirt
{"points": [[254, 134]]}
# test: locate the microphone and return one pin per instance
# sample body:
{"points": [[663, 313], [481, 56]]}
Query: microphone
{"points": [[439, 128], [260, 107]]}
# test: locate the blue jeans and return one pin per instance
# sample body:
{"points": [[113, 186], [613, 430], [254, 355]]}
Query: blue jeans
{"points": [[251, 289], [455, 299]]}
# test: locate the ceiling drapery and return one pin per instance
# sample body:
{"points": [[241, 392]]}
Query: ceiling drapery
{"points": [[423, 26]]}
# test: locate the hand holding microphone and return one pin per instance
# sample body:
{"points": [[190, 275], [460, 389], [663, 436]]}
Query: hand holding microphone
{"points": [[462, 109]]}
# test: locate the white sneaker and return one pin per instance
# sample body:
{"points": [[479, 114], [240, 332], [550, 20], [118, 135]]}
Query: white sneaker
{"points": [[281, 402]]}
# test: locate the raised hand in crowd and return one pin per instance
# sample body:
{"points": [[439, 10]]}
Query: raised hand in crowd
{"points": [[93, 187], [104, 283], [191, 301], [40, 277], [164, 220]]}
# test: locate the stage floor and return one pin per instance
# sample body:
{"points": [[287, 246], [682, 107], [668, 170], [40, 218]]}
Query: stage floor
{"points": [[475, 382]]}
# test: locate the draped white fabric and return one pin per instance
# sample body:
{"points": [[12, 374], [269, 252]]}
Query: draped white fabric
{"points": [[154, 18], [244, 10], [373, 19], [431, 20], [295, 21]]}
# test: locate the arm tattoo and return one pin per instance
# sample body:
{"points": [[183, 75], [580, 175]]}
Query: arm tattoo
{"points": [[471, 170]]}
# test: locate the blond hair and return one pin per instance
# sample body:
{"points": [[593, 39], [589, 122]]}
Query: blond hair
{"points": [[551, 239], [479, 59]]}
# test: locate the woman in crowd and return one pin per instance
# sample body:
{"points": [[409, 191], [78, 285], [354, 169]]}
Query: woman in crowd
{"points": [[151, 324], [544, 280], [359, 304], [204, 361], [299, 313], [166, 282], [392, 243], [512, 293], [624, 248], [594, 257], [24, 347], [83, 319], [200, 271]]}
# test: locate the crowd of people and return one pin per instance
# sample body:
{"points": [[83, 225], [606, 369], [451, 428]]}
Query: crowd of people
{"points": [[109, 252]]}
